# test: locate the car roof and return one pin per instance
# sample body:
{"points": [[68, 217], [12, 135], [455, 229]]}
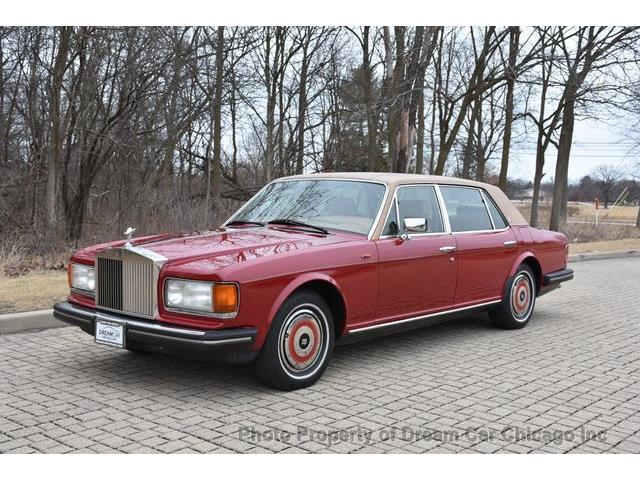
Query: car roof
{"points": [[513, 215], [388, 178]]}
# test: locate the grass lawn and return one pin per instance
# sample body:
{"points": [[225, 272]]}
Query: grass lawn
{"points": [[33, 291], [606, 246]]}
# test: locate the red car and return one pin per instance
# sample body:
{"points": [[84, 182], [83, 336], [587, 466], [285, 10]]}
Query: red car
{"points": [[313, 260]]}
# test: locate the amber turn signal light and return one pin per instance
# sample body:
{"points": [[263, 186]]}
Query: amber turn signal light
{"points": [[225, 297]]}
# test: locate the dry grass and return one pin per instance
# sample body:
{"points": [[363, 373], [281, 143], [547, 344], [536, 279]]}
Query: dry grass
{"points": [[607, 246], [586, 230], [584, 212], [622, 213], [33, 291]]}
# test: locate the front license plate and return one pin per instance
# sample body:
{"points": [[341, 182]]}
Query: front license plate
{"points": [[109, 332]]}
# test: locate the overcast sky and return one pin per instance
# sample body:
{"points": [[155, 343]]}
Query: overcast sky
{"points": [[594, 143]]}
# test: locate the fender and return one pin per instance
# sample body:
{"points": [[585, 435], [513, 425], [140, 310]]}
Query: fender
{"points": [[521, 258], [297, 283]]}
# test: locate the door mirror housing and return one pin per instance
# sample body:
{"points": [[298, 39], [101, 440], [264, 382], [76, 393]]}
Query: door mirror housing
{"points": [[415, 225]]}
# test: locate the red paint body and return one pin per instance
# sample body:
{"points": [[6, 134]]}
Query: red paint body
{"points": [[379, 280]]}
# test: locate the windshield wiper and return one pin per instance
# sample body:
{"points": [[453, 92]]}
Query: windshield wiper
{"points": [[296, 223], [244, 222]]}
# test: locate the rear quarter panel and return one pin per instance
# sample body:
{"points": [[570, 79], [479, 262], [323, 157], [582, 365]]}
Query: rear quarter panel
{"points": [[548, 247]]}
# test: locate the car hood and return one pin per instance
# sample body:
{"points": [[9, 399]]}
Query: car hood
{"points": [[225, 246]]}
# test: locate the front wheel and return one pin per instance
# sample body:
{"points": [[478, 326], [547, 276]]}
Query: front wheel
{"points": [[299, 344], [517, 306]]}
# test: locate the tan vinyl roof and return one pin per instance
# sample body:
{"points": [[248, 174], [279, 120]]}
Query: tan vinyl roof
{"points": [[514, 217]]}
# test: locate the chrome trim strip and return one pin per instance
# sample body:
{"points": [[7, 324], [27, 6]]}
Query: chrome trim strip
{"points": [[155, 327], [443, 209], [422, 317], [224, 341], [86, 293], [117, 318], [486, 207], [481, 231], [145, 252]]}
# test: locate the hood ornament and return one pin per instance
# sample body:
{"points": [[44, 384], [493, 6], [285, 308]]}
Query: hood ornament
{"points": [[128, 233]]}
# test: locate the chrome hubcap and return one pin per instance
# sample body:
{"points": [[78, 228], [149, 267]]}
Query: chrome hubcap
{"points": [[522, 293], [301, 340]]}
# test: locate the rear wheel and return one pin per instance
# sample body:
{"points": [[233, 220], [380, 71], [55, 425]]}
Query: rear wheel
{"points": [[299, 344], [517, 306]]}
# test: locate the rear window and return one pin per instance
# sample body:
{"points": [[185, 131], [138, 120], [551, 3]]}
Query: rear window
{"points": [[465, 209]]}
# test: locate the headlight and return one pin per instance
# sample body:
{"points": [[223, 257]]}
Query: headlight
{"points": [[201, 297], [82, 277]]}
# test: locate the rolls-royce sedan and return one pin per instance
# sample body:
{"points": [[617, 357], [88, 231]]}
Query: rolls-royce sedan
{"points": [[313, 260]]}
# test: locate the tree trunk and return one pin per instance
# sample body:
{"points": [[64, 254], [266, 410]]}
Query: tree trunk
{"points": [[432, 134], [559, 206], [367, 89], [234, 142], [271, 108], [514, 39], [420, 131], [394, 123], [479, 150], [216, 167], [468, 150], [302, 102], [537, 181], [57, 136]]}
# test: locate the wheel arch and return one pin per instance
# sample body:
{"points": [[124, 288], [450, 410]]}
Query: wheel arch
{"points": [[325, 286], [532, 262]]}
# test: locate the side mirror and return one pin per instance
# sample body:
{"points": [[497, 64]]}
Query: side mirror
{"points": [[415, 225]]}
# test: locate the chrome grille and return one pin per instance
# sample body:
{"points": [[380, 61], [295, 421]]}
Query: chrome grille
{"points": [[138, 287], [109, 283], [126, 281]]}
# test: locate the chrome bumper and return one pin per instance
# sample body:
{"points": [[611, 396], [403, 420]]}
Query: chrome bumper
{"points": [[157, 336]]}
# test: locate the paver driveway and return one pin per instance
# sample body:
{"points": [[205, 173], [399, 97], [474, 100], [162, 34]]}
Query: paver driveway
{"points": [[570, 381]]}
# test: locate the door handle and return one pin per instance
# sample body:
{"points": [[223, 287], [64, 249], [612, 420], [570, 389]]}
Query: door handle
{"points": [[510, 243], [447, 249]]}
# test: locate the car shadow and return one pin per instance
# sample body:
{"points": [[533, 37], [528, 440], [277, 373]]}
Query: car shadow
{"points": [[156, 371]]}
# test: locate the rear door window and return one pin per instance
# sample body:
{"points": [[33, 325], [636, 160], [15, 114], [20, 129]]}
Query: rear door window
{"points": [[466, 209]]}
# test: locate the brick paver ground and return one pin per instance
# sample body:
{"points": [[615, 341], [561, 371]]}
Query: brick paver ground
{"points": [[569, 382]]}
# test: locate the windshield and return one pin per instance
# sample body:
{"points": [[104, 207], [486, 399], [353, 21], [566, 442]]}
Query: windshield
{"points": [[340, 204]]}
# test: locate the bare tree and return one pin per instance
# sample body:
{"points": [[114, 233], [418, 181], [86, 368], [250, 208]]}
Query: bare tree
{"points": [[585, 52], [606, 176], [514, 45]]}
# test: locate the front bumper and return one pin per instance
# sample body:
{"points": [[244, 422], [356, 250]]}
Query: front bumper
{"points": [[233, 344]]}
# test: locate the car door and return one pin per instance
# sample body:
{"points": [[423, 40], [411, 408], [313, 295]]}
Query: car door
{"points": [[416, 274], [487, 246]]}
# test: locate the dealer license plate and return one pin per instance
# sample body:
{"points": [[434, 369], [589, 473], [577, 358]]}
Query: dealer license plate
{"points": [[109, 332]]}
